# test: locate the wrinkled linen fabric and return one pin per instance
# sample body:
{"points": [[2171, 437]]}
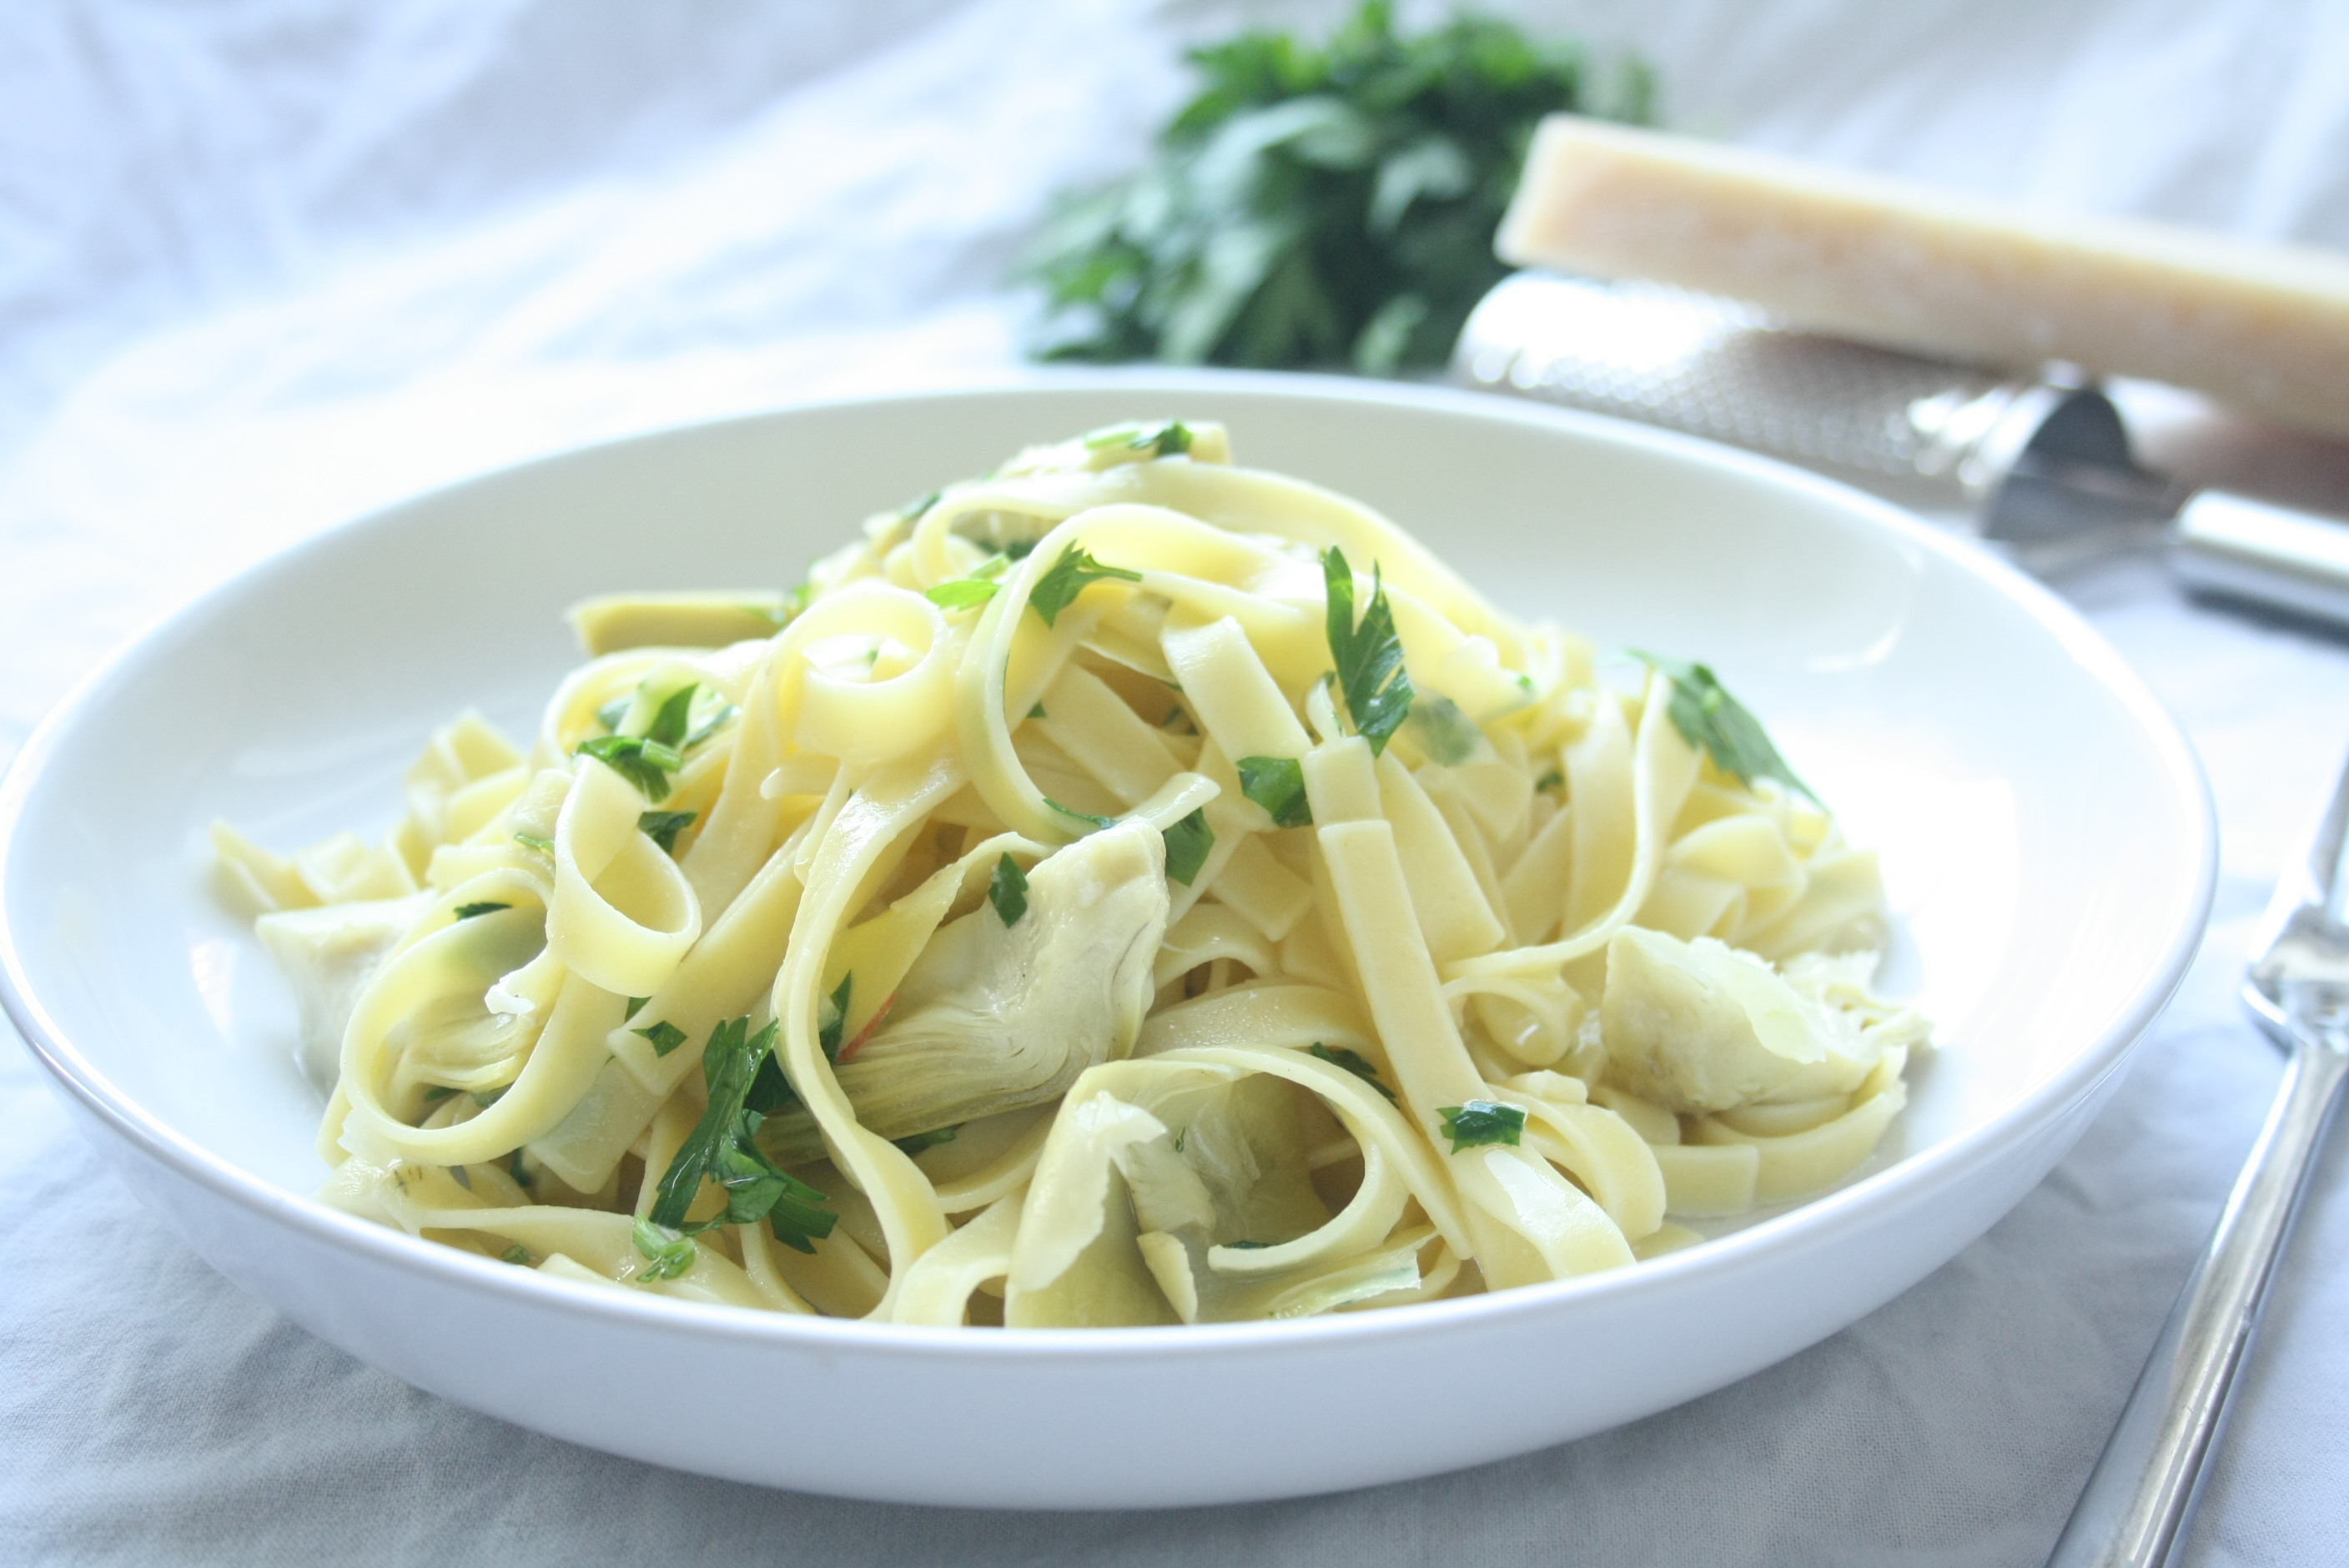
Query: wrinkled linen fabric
{"points": [[266, 264]]}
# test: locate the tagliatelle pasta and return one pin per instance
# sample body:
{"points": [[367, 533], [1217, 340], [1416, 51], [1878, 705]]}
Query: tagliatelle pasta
{"points": [[1124, 888]]}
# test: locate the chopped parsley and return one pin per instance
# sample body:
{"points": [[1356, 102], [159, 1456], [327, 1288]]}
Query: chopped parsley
{"points": [[668, 1253], [610, 715], [514, 1169], [1480, 1122], [961, 594], [1006, 889], [517, 1253], [828, 1034], [727, 714], [1446, 733], [635, 1006], [664, 1036], [913, 510], [663, 827], [1070, 576], [1038, 712], [1552, 779], [673, 718], [930, 1140], [533, 842], [722, 1149], [1079, 816], [1354, 1062], [646, 764], [1170, 439], [434, 1093], [1247, 1247], [1370, 655], [486, 1097], [1706, 715], [1188, 844], [468, 911], [1277, 784]]}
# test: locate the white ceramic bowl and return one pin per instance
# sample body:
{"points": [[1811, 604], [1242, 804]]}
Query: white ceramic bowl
{"points": [[2047, 837]]}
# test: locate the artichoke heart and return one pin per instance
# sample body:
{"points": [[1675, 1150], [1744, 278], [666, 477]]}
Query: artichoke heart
{"points": [[993, 1018], [1698, 1027], [327, 954]]}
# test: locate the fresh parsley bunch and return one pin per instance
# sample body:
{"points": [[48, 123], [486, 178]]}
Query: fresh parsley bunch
{"points": [[1318, 205]]}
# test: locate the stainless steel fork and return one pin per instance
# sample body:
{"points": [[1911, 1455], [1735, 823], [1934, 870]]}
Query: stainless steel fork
{"points": [[2135, 1510]]}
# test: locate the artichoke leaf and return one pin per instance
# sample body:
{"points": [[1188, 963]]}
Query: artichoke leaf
{"points": [[992, 1017]]}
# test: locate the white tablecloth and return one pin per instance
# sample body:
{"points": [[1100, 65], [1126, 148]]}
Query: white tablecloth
{"points": [[264, 264]]}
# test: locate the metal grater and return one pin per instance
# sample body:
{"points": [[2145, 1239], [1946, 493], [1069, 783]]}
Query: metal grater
{"points": [[1941, 436]]}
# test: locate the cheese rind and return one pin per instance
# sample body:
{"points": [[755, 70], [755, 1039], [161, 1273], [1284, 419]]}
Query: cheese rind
{"points": [[2263, 326]]}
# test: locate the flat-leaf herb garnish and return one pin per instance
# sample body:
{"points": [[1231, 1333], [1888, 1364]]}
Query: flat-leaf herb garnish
{"points": [[468, 911], [532, 841], [966, 593], [1480, 1122], [833, 1021], [1079, 816], [1277, 784], [1188, 844], [722, 1149], [1353, 1062], [665, 1037], [930, 1140], [646, 764], [1707, 717], [1370, 674], [1006, 889], [663, 827], [1068, 576], [1171, 438], [1319, 203]]}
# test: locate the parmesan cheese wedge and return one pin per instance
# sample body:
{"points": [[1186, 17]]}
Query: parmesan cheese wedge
{"points": [[2263, 326]]}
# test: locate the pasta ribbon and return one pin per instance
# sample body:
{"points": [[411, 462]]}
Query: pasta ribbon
{"points": [[1125, 888]]}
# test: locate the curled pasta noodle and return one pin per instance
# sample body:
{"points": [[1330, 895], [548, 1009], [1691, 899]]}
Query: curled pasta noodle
{"points": [[1126, 889]]}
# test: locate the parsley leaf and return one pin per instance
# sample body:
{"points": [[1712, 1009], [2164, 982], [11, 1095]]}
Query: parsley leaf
{"points": [[1070, 576], [1008, 891], [664, 1036], [532, 841], [673, 717], [1445, 733], [828, 1033], [1079, 816], [1038, 712], [930, 1140], [468, 911], [1370, 656], [1481, 1121], [1706, 715], [1277, 784], [1169, 440], [434, 1093], [1552, 779], [514, 1169], [666, 1252], [961, 594], [1188, 844], [727, 714], [644, 763], [663, 827], [635, 1006], [517, 1253], [610, 715], [1354, 1062], [1318, 201], [722, 1147]]}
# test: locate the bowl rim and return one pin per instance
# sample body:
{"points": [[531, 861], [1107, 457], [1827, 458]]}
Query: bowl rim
{"points": [[1875, 1197]]}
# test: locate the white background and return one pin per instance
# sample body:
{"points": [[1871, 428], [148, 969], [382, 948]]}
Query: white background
{"points": [[264, 264]]}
